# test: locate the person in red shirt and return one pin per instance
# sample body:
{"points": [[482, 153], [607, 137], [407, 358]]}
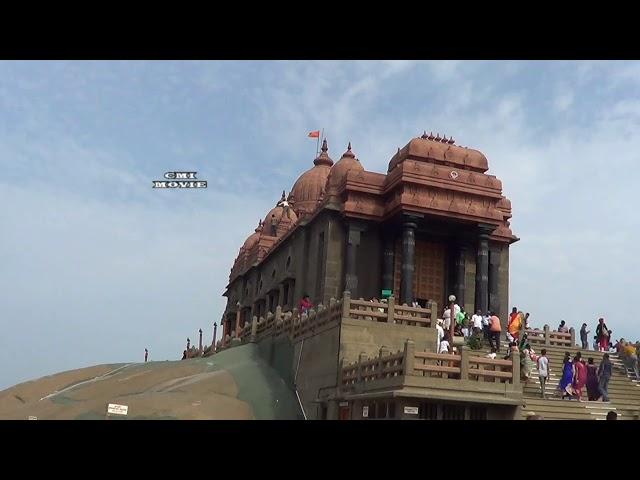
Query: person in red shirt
{"points": [[494, 331], [305, 304]]}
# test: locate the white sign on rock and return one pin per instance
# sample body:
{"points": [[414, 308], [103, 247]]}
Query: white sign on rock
{"points": [[31, 417], [365, 412], [114, 409], [411, 410]]}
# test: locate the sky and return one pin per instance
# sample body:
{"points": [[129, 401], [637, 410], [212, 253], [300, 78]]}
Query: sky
{"points": [[96, 266]]}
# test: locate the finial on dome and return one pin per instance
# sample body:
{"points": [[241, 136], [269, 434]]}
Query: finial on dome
{"points": [[437, 139], [430, 137], [424, 135], [348, 153], [451, 141], [323, 158], [283, 198]]}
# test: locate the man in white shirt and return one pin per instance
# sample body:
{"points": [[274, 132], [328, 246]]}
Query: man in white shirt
{"points": [[447, 314], [476, 322], [543, 370], [439, 334]]}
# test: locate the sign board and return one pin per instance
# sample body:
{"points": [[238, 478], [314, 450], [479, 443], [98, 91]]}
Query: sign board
{"points": [[31, 417], [114, 409], [386, 293], [411, 410], [344, 404], [365, 412]]}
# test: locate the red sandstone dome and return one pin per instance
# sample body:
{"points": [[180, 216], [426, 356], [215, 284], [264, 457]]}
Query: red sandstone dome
{"points": [[440, 151], [339, 171], [253, 238], [308, 188], [281, 216]]}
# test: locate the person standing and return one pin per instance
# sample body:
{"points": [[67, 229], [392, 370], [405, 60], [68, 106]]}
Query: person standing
{"points": [[146, 355], [494, 331], [583, 337], [579, 376], [543, 370], [604, 375], [439, 334], [305, 304], [476, 321], [592, 381], [602, 332], [567, 377]]}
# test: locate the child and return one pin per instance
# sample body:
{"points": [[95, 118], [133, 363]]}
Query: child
{"points": [[444, 344], [493, 353]]}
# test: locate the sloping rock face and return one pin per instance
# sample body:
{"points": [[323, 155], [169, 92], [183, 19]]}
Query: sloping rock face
{"points": [[233, 385]]}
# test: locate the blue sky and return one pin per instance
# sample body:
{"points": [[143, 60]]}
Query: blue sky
{"points": [[96, 265]]}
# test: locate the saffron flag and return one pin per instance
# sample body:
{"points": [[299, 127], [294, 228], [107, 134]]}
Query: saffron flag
{"points": [[314, 134]]}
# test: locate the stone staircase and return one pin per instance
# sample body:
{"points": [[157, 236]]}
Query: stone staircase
{"points": [[624, 389]]}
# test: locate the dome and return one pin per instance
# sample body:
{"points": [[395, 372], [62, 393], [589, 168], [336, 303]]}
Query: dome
{"points": [[339, 170], [281, 216], [253, 238], [308, 188]]}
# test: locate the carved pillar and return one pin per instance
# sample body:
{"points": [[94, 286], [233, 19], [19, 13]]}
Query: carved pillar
{"points": [[494, 275], [388, 251], [482, 272], [408, 261], [351, 277], [461, 254]]}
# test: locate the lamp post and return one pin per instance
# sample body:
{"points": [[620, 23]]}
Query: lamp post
{"points": [[188, 346], [200, 344], [215, 331]]}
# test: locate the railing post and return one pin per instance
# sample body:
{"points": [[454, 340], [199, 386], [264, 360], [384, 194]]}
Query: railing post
{"points": [[409, 357], [464, 362], [346, 304], [391, 305], [383, 352], [254, 329], [547, 337], [361, 358], [515, 361], [572, 331], [433, 306]]}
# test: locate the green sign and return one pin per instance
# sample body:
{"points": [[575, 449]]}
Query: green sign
{"points": [[386, 293]]}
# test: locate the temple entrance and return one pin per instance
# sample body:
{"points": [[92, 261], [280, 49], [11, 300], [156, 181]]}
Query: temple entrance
{"points": [[430, 272]]}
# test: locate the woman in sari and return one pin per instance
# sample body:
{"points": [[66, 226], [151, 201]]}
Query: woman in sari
{"points": [[602, 332], [515, 325], [567, 377], [593, 392], [579, 376]]}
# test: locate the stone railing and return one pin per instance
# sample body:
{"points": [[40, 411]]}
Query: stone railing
{"points": [[547, 337], [390, 313], [465, 366], [296, 325]]}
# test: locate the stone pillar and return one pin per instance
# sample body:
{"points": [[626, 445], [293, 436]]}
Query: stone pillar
{"points": [[461, 254], [482, 273], [388, 265], [351, 277], [408, 261], [200, 342], [494, 275]]}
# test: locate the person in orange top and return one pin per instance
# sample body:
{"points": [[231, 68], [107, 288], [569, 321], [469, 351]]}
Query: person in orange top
{"points": [[515, 324], [494, 331]]}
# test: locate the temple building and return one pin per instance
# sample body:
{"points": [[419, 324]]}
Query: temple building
{"points": [[436, 223]]}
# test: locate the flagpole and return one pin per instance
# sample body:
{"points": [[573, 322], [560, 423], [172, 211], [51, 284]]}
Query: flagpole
{"points": [[317, 146]]}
